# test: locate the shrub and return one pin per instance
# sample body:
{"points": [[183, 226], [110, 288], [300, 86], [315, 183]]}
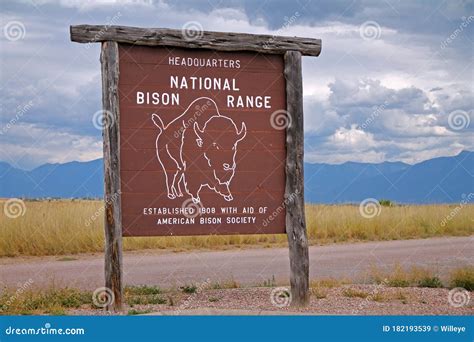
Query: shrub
{"points": [[386, 203], [189, 288], [142, 290], [463, 277], [432, 282], [355, 293], [146, 299]]}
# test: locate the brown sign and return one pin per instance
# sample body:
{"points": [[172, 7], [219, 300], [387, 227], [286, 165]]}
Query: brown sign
{"points": [[209, 141], [202, 150]]}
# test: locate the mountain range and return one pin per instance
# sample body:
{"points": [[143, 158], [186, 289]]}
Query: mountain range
{"points": [[438, 180]]}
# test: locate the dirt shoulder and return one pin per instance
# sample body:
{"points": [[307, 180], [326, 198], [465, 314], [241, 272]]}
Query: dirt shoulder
{"points": [[339, 300]]}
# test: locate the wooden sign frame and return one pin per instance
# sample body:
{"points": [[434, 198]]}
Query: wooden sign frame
{"points": [[291, 47]]}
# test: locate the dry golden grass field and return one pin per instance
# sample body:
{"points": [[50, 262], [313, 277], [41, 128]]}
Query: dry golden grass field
{"points": [[59, 227]]}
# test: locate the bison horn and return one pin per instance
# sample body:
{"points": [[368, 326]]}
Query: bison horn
{"points": [[242, 133], [198, 132]]}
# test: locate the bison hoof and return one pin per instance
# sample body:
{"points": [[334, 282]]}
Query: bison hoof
{"points": [[171, 196], [228, 198], [196, 200]]}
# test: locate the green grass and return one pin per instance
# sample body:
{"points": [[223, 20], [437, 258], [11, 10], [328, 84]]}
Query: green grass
{"points": [[68, 227], [143, 294], [422, 277], [49, 301], [386, 203], [400, 277], [132, 312], [433, 282], [142, 300], [463, 277], [55, 301], [191, 288], [142, 290]]}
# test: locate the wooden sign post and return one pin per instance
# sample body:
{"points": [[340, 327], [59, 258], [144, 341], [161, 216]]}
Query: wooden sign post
{"points": [[295, 214], [202, 135], [111, 144]]}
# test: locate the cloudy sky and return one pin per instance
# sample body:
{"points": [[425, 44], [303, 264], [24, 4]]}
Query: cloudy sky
{"points": [[394, 80]]}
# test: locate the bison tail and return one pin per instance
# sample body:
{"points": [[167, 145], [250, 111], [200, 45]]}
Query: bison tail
{"points": [[157, 121]]}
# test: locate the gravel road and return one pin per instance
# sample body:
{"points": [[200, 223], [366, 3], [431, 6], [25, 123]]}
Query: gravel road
{"points": [[246, 266]]}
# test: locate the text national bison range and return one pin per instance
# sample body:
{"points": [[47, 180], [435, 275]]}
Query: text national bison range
{"points": [[201, 151]]}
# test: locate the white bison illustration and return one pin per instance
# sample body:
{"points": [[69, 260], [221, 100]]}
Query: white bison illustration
{"points": [[198, 149]]}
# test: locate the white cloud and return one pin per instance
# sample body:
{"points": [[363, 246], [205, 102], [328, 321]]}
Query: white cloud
{"points": [[401, 124], [344, 88], [88, 5], [28, 145], [352, 138], [363, 120]]}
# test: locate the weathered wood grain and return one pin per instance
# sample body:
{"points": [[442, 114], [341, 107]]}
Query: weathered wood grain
{"points": [[294, 191], [110, 133], [219, 41]]}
